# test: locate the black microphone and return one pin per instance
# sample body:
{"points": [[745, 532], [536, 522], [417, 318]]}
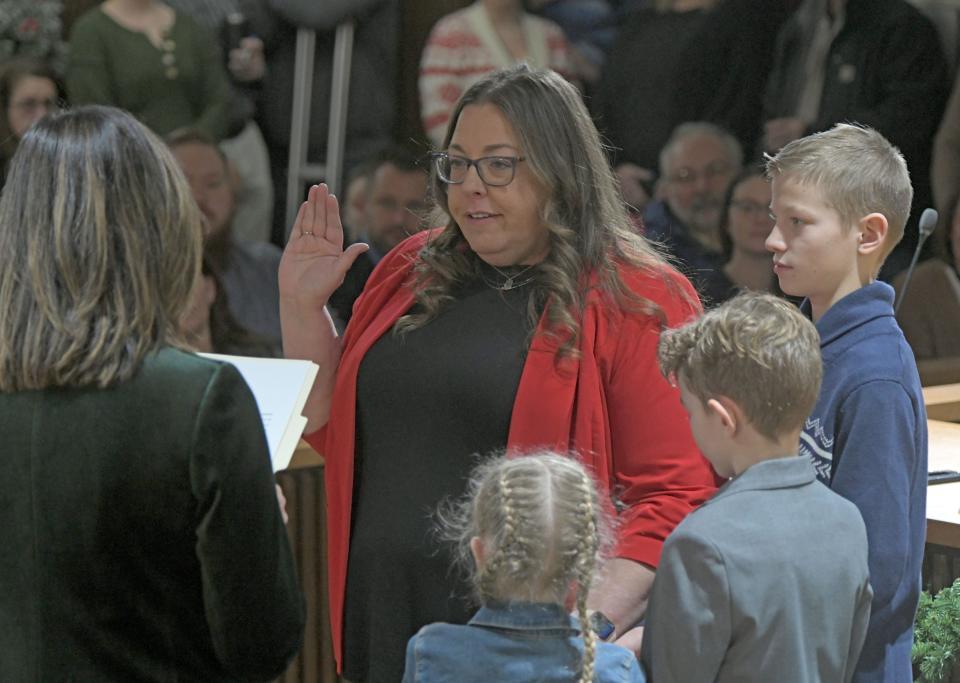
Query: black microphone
{"points": [[926, 226]]}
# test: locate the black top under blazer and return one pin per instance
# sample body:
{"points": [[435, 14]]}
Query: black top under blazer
{"points": [[140, 536]]}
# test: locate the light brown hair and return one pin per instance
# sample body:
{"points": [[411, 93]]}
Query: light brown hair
{"points": [[756, 350], [99, 247], [544, 528], [856, 171]]}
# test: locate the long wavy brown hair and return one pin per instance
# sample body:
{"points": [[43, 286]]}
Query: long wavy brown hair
{"points": [[590, 231], [99, 247]]}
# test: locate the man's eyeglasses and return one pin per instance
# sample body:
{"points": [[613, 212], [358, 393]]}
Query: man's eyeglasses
{"points": [[493, 171], [688, 175]]}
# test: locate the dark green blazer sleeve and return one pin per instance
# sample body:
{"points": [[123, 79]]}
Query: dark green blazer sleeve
{"points": [[252, 602]]}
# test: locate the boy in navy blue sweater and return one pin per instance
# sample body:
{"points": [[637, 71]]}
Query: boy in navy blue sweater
{"points": [[841, 200]]}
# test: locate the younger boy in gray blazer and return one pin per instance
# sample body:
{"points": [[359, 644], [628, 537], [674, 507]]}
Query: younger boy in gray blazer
{"points": [[768, 580]]}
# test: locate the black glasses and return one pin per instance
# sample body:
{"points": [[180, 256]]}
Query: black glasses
{"points": [[31, 106], [687, 176], [745, 206], [493, 171]]}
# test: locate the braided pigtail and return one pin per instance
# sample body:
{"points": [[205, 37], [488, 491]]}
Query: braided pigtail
{"points": [[542, 528], [489, 573], [587, 544]]}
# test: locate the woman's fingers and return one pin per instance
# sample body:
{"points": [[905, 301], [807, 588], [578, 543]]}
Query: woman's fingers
{"points": [[323, 213], [348, 257], [313, 215], [319, 216], [297, 229], [334, 225]]}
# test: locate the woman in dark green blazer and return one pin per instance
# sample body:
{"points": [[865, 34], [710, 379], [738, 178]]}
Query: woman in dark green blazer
{"points": [[140, 535]]}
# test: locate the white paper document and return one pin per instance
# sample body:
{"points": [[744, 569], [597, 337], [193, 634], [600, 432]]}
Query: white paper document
{"points": [[281, 387]]}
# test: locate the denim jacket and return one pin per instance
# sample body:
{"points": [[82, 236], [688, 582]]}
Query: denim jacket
{"points": [[512, 642]]}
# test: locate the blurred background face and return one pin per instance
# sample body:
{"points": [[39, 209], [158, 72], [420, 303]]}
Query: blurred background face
{"points": [[195, 320], [206, 172], [30, 99], [748, 219], [698, 173], [354, 205], [396, 202], [955, 234]]}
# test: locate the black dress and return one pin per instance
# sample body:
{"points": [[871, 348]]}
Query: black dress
{"points": [[429, 403]]}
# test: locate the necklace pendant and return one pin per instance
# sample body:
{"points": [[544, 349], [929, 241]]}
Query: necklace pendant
{"points": [[507, 284]]}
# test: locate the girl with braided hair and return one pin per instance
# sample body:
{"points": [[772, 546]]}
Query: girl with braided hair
{"points": [[531, 532]]}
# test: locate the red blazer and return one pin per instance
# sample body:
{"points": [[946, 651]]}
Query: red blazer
{"points": [[611, 405]]}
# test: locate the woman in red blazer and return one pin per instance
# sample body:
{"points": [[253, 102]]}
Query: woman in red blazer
{"points": [[531, 319]]}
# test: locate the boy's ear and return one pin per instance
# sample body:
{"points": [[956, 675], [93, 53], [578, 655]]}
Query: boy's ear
{"points": [[873, 231], [728, 412]]}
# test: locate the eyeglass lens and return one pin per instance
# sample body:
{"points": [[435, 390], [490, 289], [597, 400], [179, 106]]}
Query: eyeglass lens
{"points": [[32, 105], [494, 171], [689, 175]]}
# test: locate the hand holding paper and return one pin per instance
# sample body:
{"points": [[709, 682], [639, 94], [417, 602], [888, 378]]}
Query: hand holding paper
{"points": [[281, 387]]}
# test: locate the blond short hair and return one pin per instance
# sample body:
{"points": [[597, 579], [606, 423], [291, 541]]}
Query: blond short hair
{"points": [[756, 350], [857, 172], [99, 247]]}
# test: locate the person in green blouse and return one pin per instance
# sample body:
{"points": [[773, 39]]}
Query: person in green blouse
{"points": [[140, 55]]}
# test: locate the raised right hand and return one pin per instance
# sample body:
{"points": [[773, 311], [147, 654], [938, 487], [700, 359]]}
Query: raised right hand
{"points": [[314, 262]]}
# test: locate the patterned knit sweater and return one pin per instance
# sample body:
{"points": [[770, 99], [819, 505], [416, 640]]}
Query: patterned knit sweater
{"points": [[464, 46]]}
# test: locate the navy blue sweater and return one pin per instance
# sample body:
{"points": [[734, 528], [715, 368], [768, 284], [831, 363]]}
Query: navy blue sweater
{"points": [[867, 438]]}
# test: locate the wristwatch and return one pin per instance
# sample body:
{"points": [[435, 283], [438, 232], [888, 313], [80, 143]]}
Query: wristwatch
{"points": [[601, 625]]}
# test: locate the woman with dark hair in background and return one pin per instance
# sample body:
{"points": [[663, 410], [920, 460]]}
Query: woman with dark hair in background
{"points": [[744, 228], [29, 89], [531, 319], [140, 537], [208, 325]]}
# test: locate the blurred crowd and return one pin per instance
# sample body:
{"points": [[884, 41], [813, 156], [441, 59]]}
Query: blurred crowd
{"points": [[688, 94]]}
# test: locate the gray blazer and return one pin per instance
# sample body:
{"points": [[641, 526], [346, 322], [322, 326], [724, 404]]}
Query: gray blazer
{"points": [[767, 581]]}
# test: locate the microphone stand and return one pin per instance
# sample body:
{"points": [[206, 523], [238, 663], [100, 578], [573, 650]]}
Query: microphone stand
{"points": [[928, 222]]}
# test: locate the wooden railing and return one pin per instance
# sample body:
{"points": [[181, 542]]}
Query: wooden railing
{"points": [[943, 402], [941, 564], [935, 371], [302, 486]]}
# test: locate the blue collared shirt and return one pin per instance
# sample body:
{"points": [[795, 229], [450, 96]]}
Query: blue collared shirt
{"points": [[513, 642]]}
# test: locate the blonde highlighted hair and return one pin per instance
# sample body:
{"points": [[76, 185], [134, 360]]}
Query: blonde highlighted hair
{"points": [[856, 171], [544, 528], [99, 247], [755, 349]]}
